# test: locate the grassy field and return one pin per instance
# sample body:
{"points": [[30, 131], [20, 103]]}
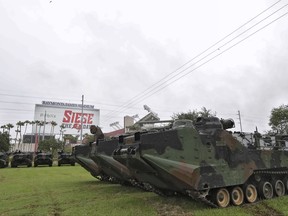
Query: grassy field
{"points": [[69, 190]]}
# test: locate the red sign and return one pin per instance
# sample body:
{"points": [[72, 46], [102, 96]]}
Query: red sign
{"points": [[75, 117]]}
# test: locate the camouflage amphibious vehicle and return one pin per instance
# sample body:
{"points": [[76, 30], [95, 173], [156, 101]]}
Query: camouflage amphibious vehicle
{"points": [[86, 155], [65, 158], [43, 158], [208, 163], [102, 154], [81, 154], [21, 158], [144, 174]]}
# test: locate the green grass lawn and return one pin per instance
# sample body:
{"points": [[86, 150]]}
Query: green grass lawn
{"points": [[69, 190]]}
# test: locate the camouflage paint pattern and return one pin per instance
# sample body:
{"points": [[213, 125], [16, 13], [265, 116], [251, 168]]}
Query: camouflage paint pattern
{"points": [[202, 160], [102, 155], [128, 155], [65, 158], [21, 158], [43, 158], [81, 155], [197, 158]]}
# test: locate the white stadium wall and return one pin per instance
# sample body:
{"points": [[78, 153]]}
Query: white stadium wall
{"points": [[66, 114]]}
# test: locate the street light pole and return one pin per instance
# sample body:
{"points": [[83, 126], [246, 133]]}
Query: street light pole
{"points": [[240, 120]]}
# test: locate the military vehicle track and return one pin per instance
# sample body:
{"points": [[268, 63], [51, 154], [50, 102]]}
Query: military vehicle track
{"points": [[276, 185]]}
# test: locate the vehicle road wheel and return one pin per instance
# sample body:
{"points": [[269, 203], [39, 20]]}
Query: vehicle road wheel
{"points": [[222, 197], [251, 194], [279, 188], [266, 190], [237, 196]]}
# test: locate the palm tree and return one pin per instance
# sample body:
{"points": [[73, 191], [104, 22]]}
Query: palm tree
{"points": [[4, 127], [16, 138], [26, 123], [20, 124], [37, 122], [53, 124], [62, 126], [9, 126], [44, 124], [41, 123]]}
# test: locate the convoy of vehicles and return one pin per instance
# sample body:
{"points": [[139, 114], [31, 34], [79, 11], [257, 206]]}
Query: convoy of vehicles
{"points": [[19, 158], [201, 160]]}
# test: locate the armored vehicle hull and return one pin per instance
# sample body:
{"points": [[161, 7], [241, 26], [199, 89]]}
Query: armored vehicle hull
{"points": [[102, 154], [140, 169], [21, 158], [209, 163], [81, 154], [65, 158], [4, 160], [43, 159]]}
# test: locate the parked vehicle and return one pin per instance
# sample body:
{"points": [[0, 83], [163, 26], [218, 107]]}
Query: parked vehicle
{"points": [[43, 158], [65, 158], [81, 154], [203, 160], [21, 158]]}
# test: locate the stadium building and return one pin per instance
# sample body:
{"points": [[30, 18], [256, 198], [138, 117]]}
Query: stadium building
{"points": [[58, 118]]}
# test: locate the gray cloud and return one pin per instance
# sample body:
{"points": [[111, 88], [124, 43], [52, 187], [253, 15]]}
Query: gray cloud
{"points": [[111, 61]]}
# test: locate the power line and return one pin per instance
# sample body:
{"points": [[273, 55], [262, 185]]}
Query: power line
{"points": [[20, 110], [127, 105], [216, 55], [154, 90], [56, 99], [213, 45], [137, 96]]}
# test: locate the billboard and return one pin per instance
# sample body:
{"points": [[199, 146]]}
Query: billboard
{"points": [[66, 114]]}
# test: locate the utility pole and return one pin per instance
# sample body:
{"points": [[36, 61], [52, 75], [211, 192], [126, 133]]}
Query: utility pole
{"points": [[81, 133], [239, 116]]}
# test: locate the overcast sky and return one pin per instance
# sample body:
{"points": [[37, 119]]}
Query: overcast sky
{"points": [[123, 54]]}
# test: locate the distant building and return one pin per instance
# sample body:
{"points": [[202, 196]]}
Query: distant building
{"points": [[63, 114], [66, 114]]}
